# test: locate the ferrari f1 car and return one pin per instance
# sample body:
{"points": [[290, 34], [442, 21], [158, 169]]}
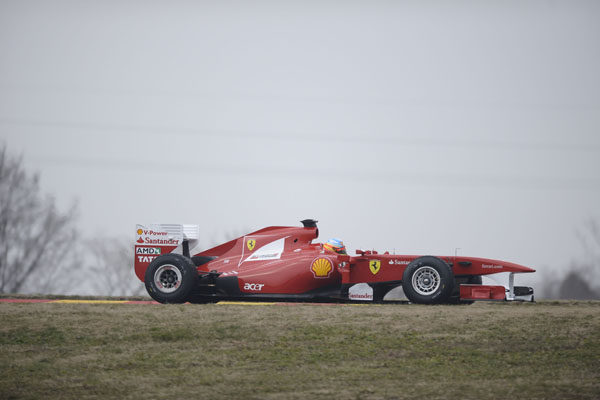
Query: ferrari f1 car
{"points": [[282, 263]]}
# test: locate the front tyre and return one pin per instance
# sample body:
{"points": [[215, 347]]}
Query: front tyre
{"points": [[170, 278], [428, 280]]}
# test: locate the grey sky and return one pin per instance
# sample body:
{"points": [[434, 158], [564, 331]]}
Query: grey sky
{"points": [[415, 126]]}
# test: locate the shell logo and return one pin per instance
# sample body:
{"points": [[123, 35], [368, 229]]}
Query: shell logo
{"points": [[321, 267], [139, 231]]}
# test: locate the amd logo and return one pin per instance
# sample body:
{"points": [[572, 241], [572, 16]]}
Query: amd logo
{"points": [[257, 287]]}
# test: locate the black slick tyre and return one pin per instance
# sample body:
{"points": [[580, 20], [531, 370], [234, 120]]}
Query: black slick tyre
{"points": [[428, 280], [170, 278]]}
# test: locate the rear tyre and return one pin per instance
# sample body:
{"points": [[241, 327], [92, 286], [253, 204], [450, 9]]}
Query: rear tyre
{"points": [[170, 278], [428, 280]]}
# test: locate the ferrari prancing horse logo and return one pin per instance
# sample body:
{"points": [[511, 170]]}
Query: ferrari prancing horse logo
{"points": [[374, 266], [251, 243]]}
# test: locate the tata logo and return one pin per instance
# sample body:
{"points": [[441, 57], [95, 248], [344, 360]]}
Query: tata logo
{"points": [[146, 259], [256, 287], [374, 266], [251, 243]]}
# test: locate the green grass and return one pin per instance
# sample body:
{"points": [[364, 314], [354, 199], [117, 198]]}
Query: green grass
{"points": [[72, 351]]}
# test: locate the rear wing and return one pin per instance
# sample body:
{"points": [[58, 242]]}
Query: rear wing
{"points": [[156, 239]]}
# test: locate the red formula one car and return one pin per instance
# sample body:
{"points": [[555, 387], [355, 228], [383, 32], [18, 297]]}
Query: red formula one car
{"points": [[282, 263]]}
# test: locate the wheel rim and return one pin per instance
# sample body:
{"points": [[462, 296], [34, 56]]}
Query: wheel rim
{"points": [[167, 278], [426, 280]]}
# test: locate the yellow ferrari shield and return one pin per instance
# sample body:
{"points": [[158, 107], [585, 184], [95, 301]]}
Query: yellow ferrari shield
{"points": [[374, 266], [251, 243]]}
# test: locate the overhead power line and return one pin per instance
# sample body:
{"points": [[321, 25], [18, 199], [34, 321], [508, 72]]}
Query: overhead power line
{"points": [[200, 170], [398, 140]]}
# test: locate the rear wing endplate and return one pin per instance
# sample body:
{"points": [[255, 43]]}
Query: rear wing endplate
{"points": [[156, 239]]}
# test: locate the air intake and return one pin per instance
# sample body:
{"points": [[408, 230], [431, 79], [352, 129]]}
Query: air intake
{"points": [[309, 223]]}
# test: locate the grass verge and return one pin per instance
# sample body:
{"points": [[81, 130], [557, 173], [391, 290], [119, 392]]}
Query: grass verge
{"points": [[72, 351]]}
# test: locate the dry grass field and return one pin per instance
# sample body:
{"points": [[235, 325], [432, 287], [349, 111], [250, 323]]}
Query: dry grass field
{"points": [[484, 351]]}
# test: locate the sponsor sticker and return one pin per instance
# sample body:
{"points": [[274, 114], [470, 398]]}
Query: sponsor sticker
{"points": [[374, 266], [399, 262], [321, 267], [361, 296], [150, 240], [149, 236], [150, 232], [489, 266], [146, 259], [266, 256], [270, 251], [256, 287], [360, 291], [148, 250]]}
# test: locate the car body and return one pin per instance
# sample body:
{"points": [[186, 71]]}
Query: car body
{"points": [[282, 263]]}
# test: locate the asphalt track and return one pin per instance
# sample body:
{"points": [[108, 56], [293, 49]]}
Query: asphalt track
{"points": [[243, 303]]}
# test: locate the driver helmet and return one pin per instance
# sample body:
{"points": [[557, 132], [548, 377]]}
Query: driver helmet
{"points": [[335, 245]]}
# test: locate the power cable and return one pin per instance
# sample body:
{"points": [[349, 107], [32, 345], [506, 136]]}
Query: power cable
{"points": [[200, 170], [120, 129]]}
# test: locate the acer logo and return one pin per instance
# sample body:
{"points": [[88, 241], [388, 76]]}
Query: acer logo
{"points": [[257, 287]]}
